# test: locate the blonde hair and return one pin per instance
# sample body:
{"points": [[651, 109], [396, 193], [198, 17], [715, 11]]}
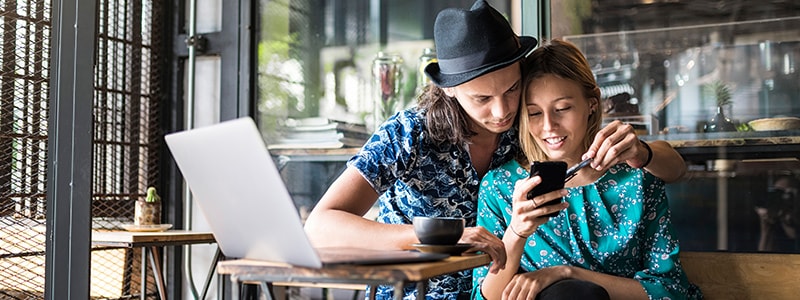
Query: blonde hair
{"points": [[562, 59]]}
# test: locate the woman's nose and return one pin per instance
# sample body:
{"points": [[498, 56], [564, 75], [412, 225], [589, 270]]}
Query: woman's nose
{"points": [[548, 121]]}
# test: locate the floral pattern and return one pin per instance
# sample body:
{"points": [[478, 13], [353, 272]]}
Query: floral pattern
{"points": [[415, 177], [618, 225]]}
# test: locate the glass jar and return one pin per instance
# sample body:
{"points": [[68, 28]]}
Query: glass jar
{"points": [[387, 73], [428, 56]]}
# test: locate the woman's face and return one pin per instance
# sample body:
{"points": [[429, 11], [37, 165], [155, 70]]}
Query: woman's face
{"points": [[491, 100], [558, 116]]}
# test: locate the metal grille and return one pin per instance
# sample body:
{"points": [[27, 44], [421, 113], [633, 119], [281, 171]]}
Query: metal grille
{"points": [[130, 57], [128, 92], [24, 74]]}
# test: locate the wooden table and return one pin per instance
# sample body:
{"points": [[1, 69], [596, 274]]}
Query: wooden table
{"points": [[149, 242], [397, 275]]}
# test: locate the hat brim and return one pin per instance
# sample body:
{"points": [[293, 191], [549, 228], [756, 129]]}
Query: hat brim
{"points": [[527, 43]]}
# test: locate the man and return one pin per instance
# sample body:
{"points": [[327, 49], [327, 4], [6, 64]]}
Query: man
{"points": [[429, 160]]}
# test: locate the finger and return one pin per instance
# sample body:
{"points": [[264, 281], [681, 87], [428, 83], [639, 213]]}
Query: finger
{"points": [[629, 156], [611, 148], [512, 290], [483, 240], [497, 266], [523, 286], [596, 143], [547, 211], [607, 141], [523, 186], [548, 198], [498, 253]]}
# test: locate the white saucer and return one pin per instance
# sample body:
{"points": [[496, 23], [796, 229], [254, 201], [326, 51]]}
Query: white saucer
{"points": [[456, 249], [146, 228]]}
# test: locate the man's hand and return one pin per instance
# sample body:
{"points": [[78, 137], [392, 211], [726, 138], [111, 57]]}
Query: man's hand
{"points": [[483, 240]]}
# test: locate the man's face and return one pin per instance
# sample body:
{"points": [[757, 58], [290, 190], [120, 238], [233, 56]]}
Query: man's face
{"points": [[491, 100]]}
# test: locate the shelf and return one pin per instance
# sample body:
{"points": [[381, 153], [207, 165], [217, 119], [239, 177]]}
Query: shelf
{"points": [[693, 146], [296, 155], [734, 145]]}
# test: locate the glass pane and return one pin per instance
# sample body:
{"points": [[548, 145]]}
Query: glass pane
{"points": [[315, 60], [317, 92], [718, 80]]}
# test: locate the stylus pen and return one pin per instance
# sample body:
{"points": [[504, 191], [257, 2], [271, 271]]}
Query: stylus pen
{"points": [[571, 172]]}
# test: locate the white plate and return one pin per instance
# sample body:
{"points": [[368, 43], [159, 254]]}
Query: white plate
{"points": [[146, 228]]}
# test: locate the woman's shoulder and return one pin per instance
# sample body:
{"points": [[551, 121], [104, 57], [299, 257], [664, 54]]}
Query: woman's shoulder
{"points": [[511, 170]]}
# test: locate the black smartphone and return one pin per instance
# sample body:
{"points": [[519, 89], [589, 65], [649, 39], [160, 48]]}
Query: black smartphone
{"points": [[553, 174]]}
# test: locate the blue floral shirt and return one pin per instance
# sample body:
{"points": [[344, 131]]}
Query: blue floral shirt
{"points": [[618, 225], [415, 177]]}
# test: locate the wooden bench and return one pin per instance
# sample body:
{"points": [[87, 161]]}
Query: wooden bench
{"points": [[731, 275]]}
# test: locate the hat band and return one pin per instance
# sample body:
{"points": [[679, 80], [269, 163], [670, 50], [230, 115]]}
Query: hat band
{"points": [[474, 61]]}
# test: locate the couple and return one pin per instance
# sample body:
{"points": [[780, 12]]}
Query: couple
{"points": [[430, 161]]}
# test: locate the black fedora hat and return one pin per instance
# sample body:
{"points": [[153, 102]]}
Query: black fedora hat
{"points": [[470, 43]]}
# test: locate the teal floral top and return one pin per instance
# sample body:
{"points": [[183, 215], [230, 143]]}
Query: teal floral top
{"points": [[416, 177], [618, 225]]}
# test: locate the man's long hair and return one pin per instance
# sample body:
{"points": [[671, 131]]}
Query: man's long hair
{"points": [[446, 122]]}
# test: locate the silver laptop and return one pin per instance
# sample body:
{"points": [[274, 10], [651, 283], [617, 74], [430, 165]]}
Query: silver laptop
{"points": [[240, 192]]}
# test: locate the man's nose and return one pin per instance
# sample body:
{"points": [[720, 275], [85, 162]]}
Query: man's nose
{"points": [[500, 108]]}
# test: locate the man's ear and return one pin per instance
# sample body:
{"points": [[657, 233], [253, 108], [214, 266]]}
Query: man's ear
{"points": [[450, 92]]}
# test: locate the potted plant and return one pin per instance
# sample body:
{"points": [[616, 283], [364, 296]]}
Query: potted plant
{"points": [[721, 91], [148, 211]]}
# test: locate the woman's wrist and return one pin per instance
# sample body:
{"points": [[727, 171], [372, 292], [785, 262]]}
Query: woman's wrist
{"points": [[517, 233], [566, 272], [649, 154]]}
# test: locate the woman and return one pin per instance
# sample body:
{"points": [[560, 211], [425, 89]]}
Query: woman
{"points": [[614, 237], [428, 160]]}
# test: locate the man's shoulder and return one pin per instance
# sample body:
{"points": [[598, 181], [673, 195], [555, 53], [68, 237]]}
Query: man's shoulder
{"points": [[406, 122]]}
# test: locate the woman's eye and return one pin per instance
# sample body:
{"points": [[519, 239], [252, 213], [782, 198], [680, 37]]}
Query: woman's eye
{"points": [[534, 114], [563, 109]]}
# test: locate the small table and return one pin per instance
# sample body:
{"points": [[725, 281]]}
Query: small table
{"points": [[149, 241], [397, 275]]}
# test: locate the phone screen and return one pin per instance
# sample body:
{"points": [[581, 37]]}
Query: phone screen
{"points": [[552, 173]]}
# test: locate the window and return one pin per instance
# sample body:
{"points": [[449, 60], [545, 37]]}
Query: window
{"points": [[315, 67], [24, 69], [129, 91], [659, 64]]}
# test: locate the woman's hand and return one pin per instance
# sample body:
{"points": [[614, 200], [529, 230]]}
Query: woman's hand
{"points": [[615, 143], [528, 285], [528, 214], [483, 240]]}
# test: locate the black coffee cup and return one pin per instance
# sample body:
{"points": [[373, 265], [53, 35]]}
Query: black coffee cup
{"points": [[438, 230]]}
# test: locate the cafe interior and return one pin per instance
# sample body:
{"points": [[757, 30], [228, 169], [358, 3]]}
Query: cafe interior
{"points": [[90, 88]]}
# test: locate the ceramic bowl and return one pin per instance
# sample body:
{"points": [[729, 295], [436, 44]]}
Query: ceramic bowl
{"points": [[438, 230], [767, 124]]}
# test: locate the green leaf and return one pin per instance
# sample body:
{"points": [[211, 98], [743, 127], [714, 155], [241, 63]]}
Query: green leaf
{"points": [[721, 92]]}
